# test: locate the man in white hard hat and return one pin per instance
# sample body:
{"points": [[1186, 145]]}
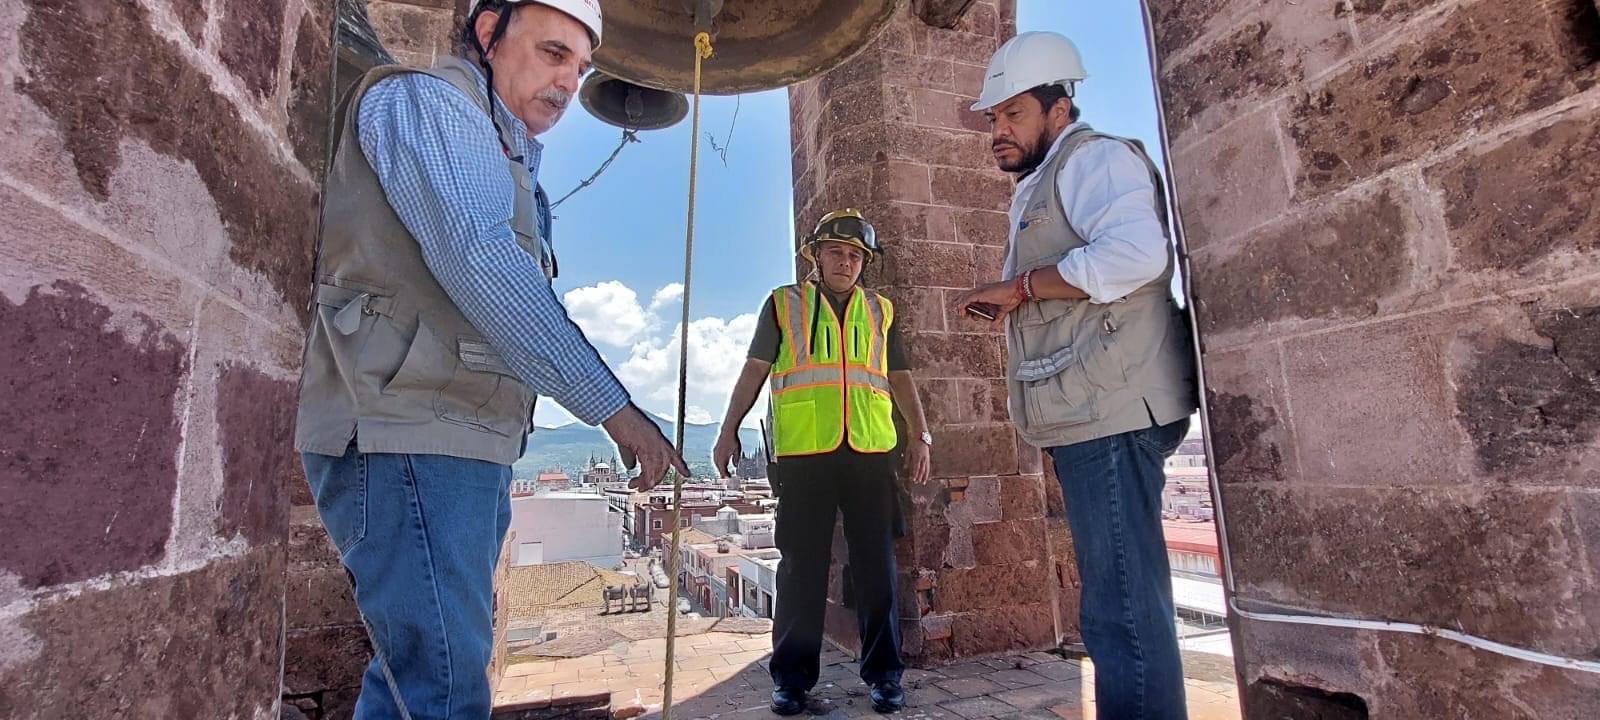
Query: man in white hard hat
{"points": [[1101, 370], [433, 331]]}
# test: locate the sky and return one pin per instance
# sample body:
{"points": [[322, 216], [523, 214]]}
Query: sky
{"points": [[621, 240]]}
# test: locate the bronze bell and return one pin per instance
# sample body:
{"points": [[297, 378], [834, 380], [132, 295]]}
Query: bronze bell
{"points": [[758, 44], [631, 107]]}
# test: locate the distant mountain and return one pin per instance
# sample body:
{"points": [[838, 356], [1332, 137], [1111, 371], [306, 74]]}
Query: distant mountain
{"points": [[570, 446]]}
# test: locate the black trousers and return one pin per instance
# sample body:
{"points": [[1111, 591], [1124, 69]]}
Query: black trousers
{"points": [[813, 490]]}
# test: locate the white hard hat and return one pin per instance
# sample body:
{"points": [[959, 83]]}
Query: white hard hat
{"points": [[586, 12], [1027, 61]]}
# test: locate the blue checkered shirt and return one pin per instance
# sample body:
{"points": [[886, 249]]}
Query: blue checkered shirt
{"points": [[443, 171]]}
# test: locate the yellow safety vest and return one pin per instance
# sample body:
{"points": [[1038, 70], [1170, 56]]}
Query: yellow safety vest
{"points": [[836, 386]]}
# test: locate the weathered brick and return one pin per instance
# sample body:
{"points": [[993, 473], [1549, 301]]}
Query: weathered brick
{"points": [[902, 181], [318, 597], [1528, 404], [1332, 659], [1376, 18], [1526, 200], [1012, 628], [974, 189], [1178, 23], [1250, 432], [955, 401], [942, 109], [976, 450], [966, 47], [986, 587], [983, 227], [310, 100], [1373, 404], [252, 38], [1030, 460], [916, 71], [1279, 46], [1486, 62], [107, 94], [917, 309], [1013, 540], [92, 432], [968, 81], [1406, 554], [1245, 183], [414, 34], [929, 265], [255, 427], [1446, 679], [1021, 497], [308, 541], [200, 644], [954, 356], [325, 658], [1341, 261]]}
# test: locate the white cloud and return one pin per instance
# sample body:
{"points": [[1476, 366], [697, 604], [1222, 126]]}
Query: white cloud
{"points": [[608, 313], [716, 355], [669, 295]]}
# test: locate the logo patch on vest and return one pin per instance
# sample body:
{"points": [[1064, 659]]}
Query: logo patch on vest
{"points": [[1036, 213]]}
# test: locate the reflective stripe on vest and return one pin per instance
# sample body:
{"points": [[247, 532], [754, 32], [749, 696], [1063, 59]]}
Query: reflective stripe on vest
{"points": [[833, 388]]}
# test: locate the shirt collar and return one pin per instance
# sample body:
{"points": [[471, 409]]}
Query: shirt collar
{"points": [[529, 148]]}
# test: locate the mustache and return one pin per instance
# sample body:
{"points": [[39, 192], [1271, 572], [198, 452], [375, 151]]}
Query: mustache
{"points": [[555, 97]]}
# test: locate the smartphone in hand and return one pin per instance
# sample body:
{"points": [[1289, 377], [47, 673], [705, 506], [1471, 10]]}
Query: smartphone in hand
{"points": [[984, 311]]}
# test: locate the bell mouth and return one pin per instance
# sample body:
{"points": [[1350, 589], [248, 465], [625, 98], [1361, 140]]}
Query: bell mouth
{"points": [[758, 44], [623, 104]]}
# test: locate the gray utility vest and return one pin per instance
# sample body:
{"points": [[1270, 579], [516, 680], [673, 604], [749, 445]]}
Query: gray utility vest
{"points": [[389, 359], [1077, 370]]}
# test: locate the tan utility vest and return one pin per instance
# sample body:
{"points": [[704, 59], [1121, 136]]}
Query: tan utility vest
{"points": [[1079, 370], [389, 359]]}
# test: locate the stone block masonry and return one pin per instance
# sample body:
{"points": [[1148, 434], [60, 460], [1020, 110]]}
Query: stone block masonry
{"points": [[1390, 210], [889, 132], [158, 197]]}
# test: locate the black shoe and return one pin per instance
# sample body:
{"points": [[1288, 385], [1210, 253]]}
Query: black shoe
{"points": [[788, 701], [887, 697]]}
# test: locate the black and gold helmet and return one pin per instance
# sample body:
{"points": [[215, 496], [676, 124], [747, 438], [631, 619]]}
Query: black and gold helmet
{"points": [[846, 226]]}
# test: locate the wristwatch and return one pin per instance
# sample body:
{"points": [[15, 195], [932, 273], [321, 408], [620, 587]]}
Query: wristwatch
{"points": [[927, 438]]}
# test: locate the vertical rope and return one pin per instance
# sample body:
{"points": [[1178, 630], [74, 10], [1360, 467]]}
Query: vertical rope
{"points": [[702, 50]]}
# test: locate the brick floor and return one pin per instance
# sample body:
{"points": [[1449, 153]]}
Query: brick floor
{"points": [[722, 675]]}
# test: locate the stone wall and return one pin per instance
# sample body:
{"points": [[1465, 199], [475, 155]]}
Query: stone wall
{"points": [[1391, 211], [417, 32], [158, 197], [986, 566]]}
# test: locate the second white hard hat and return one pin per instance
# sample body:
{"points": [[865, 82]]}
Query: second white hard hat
{"points": [[1027, 61]]}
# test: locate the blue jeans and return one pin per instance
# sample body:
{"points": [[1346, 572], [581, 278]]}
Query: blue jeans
{"points": [[420, 535], [1112, 488]]}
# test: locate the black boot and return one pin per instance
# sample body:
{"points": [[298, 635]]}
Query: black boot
{"points": [[887, 697], [788, 701]]}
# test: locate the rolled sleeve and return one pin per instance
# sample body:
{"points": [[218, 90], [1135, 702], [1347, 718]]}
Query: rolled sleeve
{"points": [[442, 169], [1109, 197]]}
